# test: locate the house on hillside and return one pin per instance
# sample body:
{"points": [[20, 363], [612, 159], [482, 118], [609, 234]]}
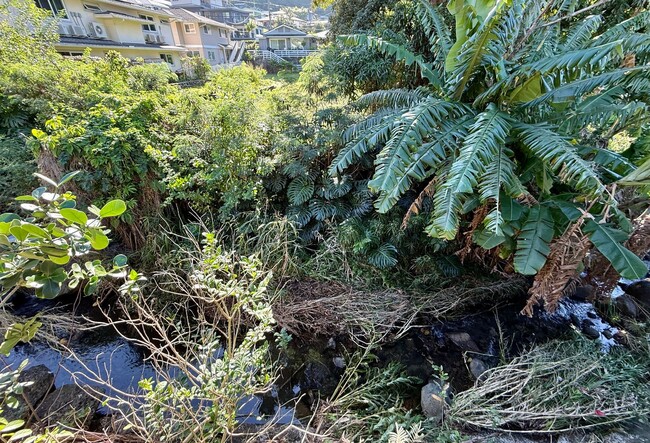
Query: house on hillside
{"points": [[287, 39], [138, 29], [235, 16], [204, 37]]}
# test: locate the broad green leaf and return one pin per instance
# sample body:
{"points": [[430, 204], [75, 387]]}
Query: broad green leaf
{"points": [[64, 260], [8, 217], [18, 232], [533, 241], [45, 179], [66, 178], [74, 216], [23, 433], [34, 230], [609, 242], [98, 240], [49, 289], [488, 240], [26, 198], [112, 209], [120, 260]]}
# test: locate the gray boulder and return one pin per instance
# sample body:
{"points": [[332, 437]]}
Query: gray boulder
{"points": [[463, 341], [627, 306], [41, 382], [70, 405], [433, 399]]}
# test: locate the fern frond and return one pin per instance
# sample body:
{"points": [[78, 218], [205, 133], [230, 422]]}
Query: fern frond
{"points": [[479, 149], [399, 52], [556, 150]]}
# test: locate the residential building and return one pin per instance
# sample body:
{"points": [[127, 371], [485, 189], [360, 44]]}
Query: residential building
{"points": [[204, 37], [286, 39], [235, 16], [138, 29]]}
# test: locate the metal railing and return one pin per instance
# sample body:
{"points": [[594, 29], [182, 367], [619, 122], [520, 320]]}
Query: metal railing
{"points": [[294, 53]]}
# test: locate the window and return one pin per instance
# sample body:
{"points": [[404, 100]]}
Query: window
{"points": [[207, 30], [150, 27], [190, 28], [56, 6], [93, 8], [192, 53], [71, 54], [221, 32], [168, 58], [212, 56]]}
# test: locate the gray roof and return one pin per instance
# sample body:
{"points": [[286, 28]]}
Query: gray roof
{"points": [[285, 31]]}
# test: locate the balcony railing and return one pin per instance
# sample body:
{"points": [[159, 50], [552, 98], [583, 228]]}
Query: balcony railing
{"points": [[294, 53]]}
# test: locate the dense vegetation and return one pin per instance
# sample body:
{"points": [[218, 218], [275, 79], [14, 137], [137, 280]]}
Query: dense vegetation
{"points": [[427, 151]]}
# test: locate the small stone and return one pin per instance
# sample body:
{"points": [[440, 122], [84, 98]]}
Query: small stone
{"points": [[331, 343], [608, 333], [42, 381], [339, 362], [463, 341], [640, 290], [575, 320], [477, 367], [591, 332], [433, 397], [627, 306], [583, 293], [621, 337], [592, 314]]}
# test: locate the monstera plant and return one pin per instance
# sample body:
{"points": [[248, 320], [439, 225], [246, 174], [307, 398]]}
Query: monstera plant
{"points": [[511, 127]]}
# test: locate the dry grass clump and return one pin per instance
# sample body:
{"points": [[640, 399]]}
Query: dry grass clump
{"points": [[557, 387], [311, 307]]}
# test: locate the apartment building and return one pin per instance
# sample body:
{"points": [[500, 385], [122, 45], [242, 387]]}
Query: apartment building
{"points": [[204, 37], [135, 28], [140, 29]]}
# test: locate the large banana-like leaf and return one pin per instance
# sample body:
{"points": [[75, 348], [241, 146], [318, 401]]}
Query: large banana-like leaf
{"points": [[639, 177], [609, 242], [533, 241]]}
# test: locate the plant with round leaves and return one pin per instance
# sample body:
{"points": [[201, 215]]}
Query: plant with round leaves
{"points": [[42, 250]]}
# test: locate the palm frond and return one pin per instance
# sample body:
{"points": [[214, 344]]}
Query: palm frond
{"points": [[578, 88], [578, 59], [437, 30], [580, 33], [364, 143], [556, 150], [499, 175], [624, 29], [353, 131], [392, 98], [408, 134], [422, 162], [533, 243], [473, 50], [479, 149]]}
